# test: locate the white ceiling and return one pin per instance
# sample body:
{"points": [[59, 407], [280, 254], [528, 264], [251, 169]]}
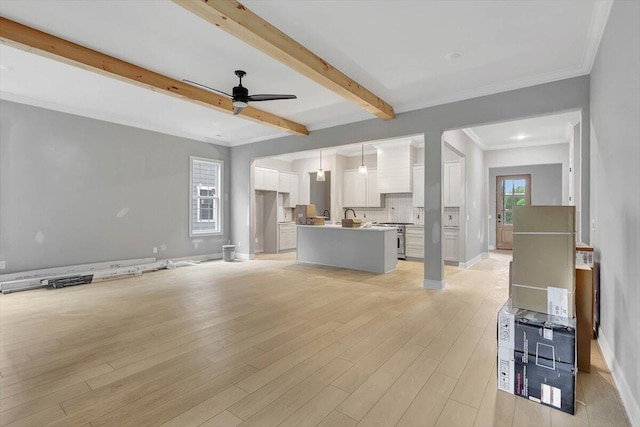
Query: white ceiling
{"points": [[545, 130], [397, 49]]}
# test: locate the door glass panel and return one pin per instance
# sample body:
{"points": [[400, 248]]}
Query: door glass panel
{"points": [[508, 218], [513, 194], [508, 186]]}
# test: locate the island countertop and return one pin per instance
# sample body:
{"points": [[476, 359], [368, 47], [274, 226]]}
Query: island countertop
{"points": [[366, 249], [339, 227]]}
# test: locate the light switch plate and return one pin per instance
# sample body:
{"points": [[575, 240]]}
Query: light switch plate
{"points": [[3, 265]]}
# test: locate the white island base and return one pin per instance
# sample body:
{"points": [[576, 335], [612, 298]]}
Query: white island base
{"points": [[365, 249]]}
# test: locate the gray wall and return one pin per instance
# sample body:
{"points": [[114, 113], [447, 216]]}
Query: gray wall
{"points": [[546, 188], [473, 231], [75, 190], [564, 95], [615, 165]]}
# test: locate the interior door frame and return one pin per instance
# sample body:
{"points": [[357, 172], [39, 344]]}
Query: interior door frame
{"points": [[499, 221]]}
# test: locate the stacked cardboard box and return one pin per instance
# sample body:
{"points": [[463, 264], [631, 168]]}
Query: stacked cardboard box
{"points": [[537, 327], [537, 357]]}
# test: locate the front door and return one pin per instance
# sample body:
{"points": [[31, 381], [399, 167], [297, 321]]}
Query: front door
{"points": [[512, 190]]}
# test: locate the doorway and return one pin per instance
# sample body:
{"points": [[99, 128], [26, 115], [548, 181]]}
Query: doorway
{"points": [[511, 191]]}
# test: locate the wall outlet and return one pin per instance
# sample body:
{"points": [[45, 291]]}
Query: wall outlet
{"points": [[3, 265], [155, 250]]}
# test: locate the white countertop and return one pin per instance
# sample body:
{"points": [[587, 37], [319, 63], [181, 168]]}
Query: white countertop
{"points": [[336, 226]]}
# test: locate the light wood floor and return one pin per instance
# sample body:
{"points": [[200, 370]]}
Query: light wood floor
{"points": [[269, 342]]}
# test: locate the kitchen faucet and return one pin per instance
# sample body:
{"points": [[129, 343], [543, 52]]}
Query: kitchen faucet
{"points": [[347, 210], [326, 214]]}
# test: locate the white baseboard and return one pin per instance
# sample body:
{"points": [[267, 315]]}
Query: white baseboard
{"points": [[437, 285], [240, 255], [630, 405], [206, 257], [474, 260]]}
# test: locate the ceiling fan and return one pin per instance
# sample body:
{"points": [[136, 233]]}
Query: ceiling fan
{"points": [[241, 97]]}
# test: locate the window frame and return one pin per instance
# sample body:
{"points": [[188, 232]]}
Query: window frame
{"points": [[196, 198]]}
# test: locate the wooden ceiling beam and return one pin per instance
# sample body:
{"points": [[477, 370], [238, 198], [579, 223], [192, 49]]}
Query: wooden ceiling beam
{"points": [[239, 21], [31, 40]]}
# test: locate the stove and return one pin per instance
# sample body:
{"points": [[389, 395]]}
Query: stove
{"points": [[400, 231]]}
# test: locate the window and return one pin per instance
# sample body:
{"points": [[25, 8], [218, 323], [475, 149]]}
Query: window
{"points": [[205, 210]]}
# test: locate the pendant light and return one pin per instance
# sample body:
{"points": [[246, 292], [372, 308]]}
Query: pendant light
{"points": [[320, 173], [362, 170]]}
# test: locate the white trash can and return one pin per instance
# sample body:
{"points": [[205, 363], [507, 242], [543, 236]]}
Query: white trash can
{"points": [[229, 252]]}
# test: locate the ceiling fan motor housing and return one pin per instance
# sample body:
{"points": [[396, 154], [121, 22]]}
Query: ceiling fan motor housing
{"points": [[240, 93]]}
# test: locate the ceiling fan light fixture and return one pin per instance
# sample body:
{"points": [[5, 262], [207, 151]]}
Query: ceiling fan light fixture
{"points": [[239, 104]]}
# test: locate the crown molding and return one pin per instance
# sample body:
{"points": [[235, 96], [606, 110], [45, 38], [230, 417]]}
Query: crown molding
{"points": [[599, 18], [495, 88], [475, 138], [526, 144]]}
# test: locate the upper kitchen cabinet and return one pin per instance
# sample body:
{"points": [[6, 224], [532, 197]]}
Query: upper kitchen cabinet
{"points": [[394, 166], [374, 198], [266, 179], [284, 183], [291, 198], [418, 186], [452, 181], [361, 191]]}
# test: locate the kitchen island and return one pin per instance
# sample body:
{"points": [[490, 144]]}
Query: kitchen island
{"points": [[366, 249]]}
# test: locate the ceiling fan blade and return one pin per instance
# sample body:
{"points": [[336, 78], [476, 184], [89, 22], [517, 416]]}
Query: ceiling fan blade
{"points": [[206, 87], [270, 97], [237, 110]]}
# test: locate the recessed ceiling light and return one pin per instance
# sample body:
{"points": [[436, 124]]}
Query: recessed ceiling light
{"points": [[521, 136], [453, 55]]}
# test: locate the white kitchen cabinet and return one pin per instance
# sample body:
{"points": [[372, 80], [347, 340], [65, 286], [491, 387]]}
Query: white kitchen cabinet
{"points": [[418, 186], [266, 179], [360, 191], [452, 181], [414, 241], [291, 200], [288, 185], [451, 245], [354, 190], [373, 199], [284, 182], [394, 167], [287, 237]]}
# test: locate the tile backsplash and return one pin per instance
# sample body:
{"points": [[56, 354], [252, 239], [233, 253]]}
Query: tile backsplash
{"points": [[397, 208]]}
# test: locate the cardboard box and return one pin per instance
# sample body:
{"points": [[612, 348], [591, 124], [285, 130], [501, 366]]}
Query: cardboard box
{"points": [[584, 254], [303, 212], [315, 220], [543, 270], [537, 334], [584, 315], [352, 223], [544, 219], [537, 357], [551, 386]]}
